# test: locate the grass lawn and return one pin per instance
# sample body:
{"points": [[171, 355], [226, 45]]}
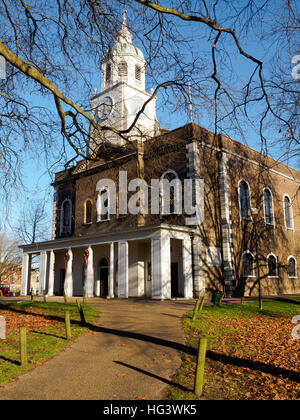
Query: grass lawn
{"points": [[251, 353], [46, 333]]}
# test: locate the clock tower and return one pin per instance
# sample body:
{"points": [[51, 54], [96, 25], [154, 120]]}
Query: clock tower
{"points": [[123, 94]]}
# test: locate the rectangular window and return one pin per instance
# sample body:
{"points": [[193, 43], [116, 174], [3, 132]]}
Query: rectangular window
{"points": [[138, 73], [122, 69], [108, 73]]}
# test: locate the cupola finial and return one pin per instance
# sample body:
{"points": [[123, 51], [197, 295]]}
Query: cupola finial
{"points": [[124, 36]]}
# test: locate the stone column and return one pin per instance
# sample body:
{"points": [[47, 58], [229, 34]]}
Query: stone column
{"points": [[43, 272], [111, 271], [161, 266], [187, 267], [123, 269], [51, 273], [25, 284], [69, 275], [89, 274], [198, 281]]}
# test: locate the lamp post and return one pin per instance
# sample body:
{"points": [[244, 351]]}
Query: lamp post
{"points": [[255, 214]]}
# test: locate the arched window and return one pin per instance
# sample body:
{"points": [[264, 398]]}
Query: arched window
{"points": [[122, 69], [268, 207], [66, 216], [272, 266], [244, 198], [138, 73], [248, 264], [288, 212], [292, 267], [88, 212], [108, 73], [171, 193], [103, 205], [104, 262]]}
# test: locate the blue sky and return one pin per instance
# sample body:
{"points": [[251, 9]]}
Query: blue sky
{"points": [[36, 177]]}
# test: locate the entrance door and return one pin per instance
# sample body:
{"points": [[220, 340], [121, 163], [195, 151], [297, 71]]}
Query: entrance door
{"points": [[103, 271], [174, 280], [61, 285]]}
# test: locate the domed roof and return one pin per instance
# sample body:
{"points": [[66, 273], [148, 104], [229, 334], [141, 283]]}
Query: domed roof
{"points": [[124, 45], [124, 49]]}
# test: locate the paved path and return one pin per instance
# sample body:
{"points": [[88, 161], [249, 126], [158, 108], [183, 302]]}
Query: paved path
{"points": [[132, 353]]}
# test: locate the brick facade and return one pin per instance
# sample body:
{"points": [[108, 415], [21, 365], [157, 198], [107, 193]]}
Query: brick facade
{"points": [[222, 163]]}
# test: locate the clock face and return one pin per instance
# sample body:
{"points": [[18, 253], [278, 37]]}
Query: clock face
{"points": [[137, 104], [104, 109]]}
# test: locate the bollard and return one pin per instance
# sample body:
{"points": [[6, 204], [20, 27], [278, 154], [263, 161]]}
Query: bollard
{"points": [[222, 297], [83, 298], [199, 376], [242, 300], [196, 308], [201, 304], [68, 325], [44, 295], [23, 346], [80, 310], [31, 294], [65, 298]]}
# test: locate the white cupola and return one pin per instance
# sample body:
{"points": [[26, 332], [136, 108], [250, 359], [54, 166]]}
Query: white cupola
{"points": [[123, 93], [123, 62]]}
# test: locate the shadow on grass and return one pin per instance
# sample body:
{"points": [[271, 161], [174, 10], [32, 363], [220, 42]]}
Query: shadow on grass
{"points": [[228, 360], [254, 365], [50, 335], [231, 360], [287, 300], [47, 316], [15, 362], [152, 375]]}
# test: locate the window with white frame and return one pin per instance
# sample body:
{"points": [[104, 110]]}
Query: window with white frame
{"points": [[292, 267], [268, 207], [288, 212], [66, 217], [244, 200], [103, 205], [272, 265], [248, 264]]}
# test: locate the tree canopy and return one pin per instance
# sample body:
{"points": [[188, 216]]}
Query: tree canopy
{"points": [[9, 254], [230, 64]]}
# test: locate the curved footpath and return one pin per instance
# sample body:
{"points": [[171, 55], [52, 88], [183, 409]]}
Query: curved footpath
{"points": [[132, 353]]}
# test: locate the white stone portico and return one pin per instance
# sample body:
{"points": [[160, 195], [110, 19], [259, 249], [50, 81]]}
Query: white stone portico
{"points": [[152, 261]]}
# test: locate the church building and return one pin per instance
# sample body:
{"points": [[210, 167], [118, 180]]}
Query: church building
{"points": [[166, 213]]}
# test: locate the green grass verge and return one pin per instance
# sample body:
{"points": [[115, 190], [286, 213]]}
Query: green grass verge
{"points": [[219, 334], [42, 343]]}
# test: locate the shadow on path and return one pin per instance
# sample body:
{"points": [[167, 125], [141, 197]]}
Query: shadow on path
{"points": [[225, 359], [152, 375]]}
